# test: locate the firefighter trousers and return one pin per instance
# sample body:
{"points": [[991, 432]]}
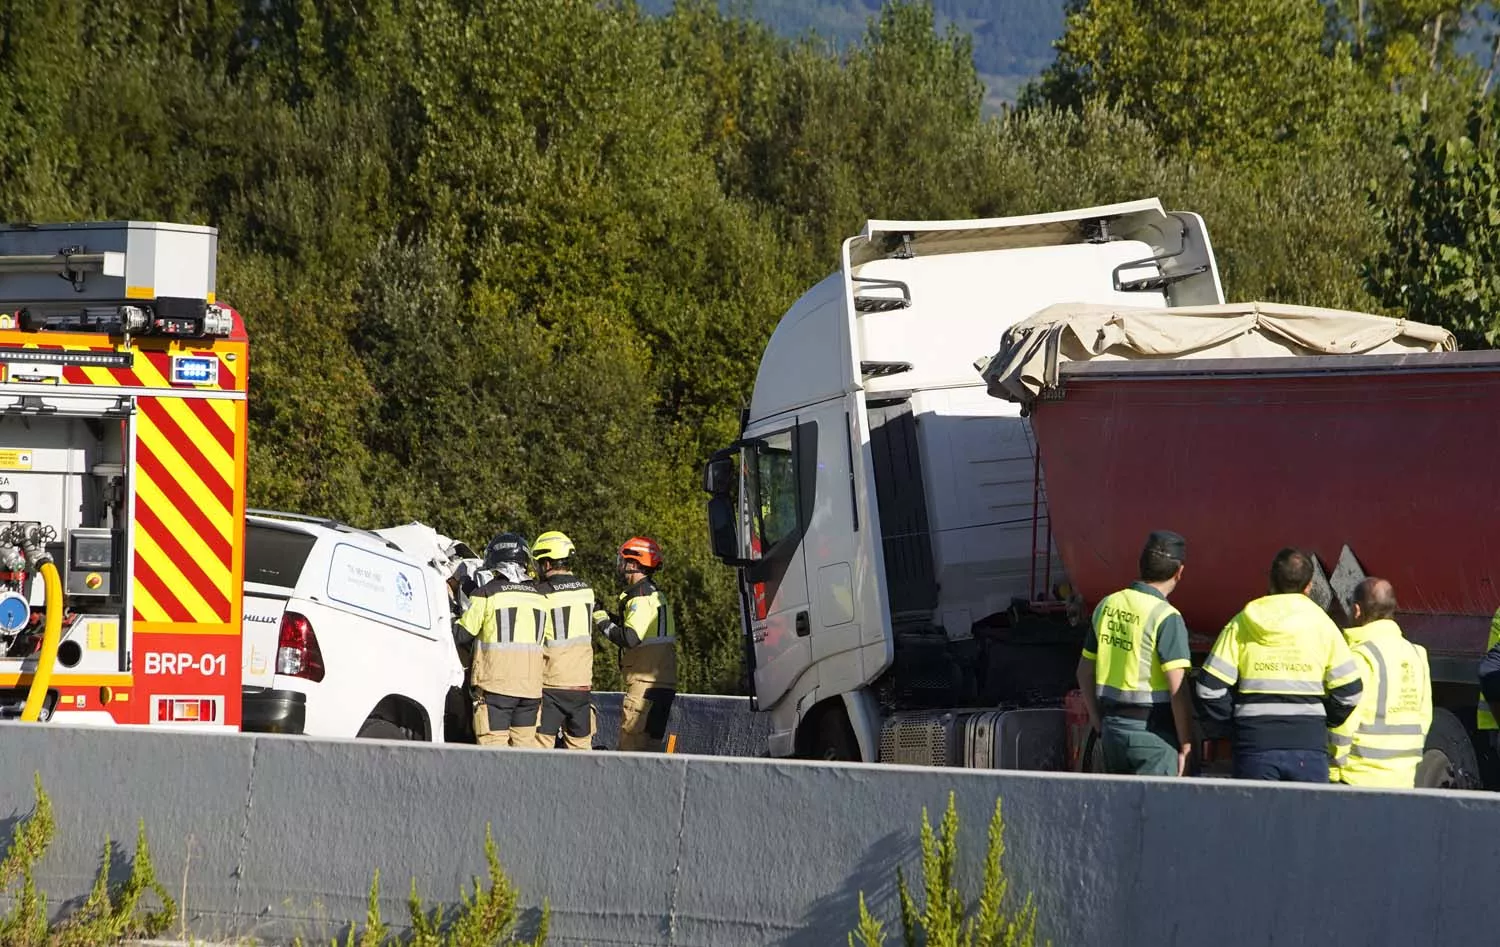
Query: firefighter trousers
{"points": [[643, 716], [569, 711], [506, 721]]}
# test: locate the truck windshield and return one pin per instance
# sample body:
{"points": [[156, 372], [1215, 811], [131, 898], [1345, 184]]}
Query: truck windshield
{"points": [[275, 556]]}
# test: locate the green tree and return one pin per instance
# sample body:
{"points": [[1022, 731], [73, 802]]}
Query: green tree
{"points": [[891, 129], [1400, 39], [1442, 261], [1219, 79], [39, 44]]}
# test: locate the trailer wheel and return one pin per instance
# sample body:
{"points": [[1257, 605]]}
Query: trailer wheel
{"points": [[1449, 761]]}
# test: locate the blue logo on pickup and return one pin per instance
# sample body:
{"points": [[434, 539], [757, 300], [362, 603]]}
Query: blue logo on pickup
{"points": [[195, 370]]}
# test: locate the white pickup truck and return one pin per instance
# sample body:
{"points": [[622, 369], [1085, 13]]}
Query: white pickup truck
{"points": [[347, 633]]}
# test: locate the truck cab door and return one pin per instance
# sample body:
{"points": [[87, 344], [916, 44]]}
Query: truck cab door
{"points": [[771, 511]]}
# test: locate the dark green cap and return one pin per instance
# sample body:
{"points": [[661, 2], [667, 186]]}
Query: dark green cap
{"points": [[1168, 545]]}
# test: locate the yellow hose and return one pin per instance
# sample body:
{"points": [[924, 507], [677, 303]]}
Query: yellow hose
{"points": [[51, 635]]}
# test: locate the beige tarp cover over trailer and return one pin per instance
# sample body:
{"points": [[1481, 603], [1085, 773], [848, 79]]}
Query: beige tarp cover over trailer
{"points": [[1032, 351]]}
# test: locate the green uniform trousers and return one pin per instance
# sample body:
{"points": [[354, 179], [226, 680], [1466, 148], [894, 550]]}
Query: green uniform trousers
{"points": [[1132, 748]]}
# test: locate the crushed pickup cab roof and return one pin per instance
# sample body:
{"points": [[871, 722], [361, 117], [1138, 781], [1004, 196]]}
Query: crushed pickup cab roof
{"points": [[1032, 351]]}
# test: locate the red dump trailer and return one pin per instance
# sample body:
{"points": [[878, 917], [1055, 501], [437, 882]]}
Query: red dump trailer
{"points": [[1380, 463]]}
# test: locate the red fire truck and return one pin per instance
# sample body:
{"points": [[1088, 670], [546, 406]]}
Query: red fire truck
{"points": [[122, 477]]}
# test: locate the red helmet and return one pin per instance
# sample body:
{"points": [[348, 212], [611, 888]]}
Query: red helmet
{"points": [[643, 552]]}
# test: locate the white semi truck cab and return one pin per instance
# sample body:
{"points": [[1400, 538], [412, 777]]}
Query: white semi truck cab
{"points": [[899, 594]]}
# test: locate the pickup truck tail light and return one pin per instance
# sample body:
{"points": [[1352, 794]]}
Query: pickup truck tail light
{"points": [[297, 651]]}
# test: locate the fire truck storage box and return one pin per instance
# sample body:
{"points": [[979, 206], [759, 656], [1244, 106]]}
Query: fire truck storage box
{"points": [[141, 260]]}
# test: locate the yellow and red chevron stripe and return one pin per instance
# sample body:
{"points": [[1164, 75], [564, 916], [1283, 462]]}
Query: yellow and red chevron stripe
{"points": [[153, 366], [187, 478], [152, 369]]}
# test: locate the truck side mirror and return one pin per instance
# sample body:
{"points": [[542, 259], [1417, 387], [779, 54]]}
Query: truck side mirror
{"points": [[718, 475], [721, 531]]}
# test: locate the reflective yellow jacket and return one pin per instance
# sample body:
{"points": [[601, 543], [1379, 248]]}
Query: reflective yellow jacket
{"points": [[1282, 672], [1382, 741], [646, 634], [1486, 719], [507, 620]]}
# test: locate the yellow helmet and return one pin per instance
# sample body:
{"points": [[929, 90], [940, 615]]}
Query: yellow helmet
{"points": [[552, 545]]}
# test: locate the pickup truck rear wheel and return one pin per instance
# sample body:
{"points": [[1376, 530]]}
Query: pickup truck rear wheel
{"points": [[378, 728], [1449, 761]]}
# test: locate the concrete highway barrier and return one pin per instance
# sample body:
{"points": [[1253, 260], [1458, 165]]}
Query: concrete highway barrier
{"points": [[703, 724], [269, 837]]}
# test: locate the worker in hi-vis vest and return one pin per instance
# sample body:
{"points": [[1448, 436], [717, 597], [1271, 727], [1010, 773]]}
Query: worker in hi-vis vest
{"points": [[567, 647], [505, 621], [1133, 666], [1489, 685], [1382, 741], [1282, 672], [646, 634]]}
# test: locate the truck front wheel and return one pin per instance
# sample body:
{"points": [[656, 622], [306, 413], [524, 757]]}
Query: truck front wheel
{"points": [[1449, 761], [828, 736]]}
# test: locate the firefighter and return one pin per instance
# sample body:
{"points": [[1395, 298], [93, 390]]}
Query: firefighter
{"points": [[505, 622], [1489, 686], [1133, 666], [567, 648], [647, 637], [1382, 741], [1282, 673]]}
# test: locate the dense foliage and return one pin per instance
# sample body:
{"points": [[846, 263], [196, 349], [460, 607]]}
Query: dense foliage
{"points": [[1012, 40], [512, 264], [1444, 238]]}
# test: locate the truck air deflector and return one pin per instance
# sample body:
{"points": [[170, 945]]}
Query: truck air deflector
{"points": [[886, 238]]}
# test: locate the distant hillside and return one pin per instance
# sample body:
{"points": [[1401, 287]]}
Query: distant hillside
{"points": [[1012, 38]]}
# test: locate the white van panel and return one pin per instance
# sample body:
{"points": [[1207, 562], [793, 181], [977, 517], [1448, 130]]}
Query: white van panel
{"points": [[380, 585]]}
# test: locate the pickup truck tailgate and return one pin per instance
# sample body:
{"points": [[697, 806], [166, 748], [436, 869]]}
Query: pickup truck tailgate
{"points": [[261, 633]]}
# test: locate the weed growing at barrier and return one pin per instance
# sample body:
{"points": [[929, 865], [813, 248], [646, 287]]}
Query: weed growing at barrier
{"points": [[943, 919], [486, 916], [108, 916]]}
